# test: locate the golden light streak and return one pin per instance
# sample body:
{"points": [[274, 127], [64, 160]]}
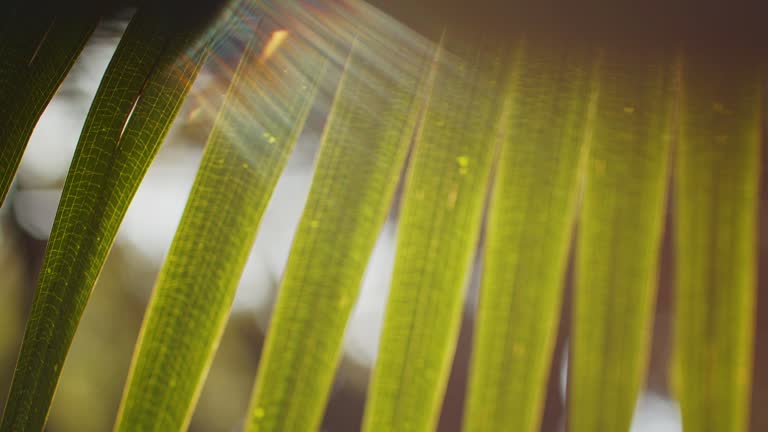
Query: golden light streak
{"points": [[275, 40]]}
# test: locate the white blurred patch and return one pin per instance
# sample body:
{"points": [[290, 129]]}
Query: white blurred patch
{"points": [[656, 413], [35, 210], [50, 149], [361, 340]]}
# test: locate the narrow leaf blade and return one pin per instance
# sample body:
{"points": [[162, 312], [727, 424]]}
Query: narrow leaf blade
{"points": [[38, 49], [716, 196], [437, 236], [361, 157], [540, 171], [619, 239], [261, 117], [108, 165]]}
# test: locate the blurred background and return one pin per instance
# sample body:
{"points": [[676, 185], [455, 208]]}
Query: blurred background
{"points": [[95, 371]]}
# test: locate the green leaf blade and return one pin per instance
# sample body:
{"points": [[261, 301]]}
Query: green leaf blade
{"points": [[361, 157], [108, 165], [38, 50], [531, 215], [263, 112], [716, 195], [437, 235], [619, 239]]}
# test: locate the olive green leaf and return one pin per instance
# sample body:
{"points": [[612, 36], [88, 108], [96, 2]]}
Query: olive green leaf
{"points": [[716, 198], [361, 157], [37, 49], [262, 114], [146, 80], [541, 165], [438, 231], [619, 238]]}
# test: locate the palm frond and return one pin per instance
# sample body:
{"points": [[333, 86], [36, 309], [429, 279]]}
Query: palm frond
{"points": [[619, 238], [140, 95], [362, 153], [39, 43], [541, 168], [568, 144], [716, 198], [246, 153], [439, 225]]}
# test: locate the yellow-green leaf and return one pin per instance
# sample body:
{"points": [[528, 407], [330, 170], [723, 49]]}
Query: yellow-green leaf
{"points": [[257, 127], [109, 163], [540, 171], [619, 238], [438, 232], [361, 157], [716, 199]]}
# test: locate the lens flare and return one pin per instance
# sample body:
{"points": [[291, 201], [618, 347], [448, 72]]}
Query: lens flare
{"points": [[290, 37], [274, 42]]}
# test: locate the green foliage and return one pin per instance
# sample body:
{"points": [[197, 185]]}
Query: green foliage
{"points": [[438, 230], [197, 283], [546, 137], [38, 47], [140, 95], [351, 193], [619, 239], [566, 146], [716, 191]]}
